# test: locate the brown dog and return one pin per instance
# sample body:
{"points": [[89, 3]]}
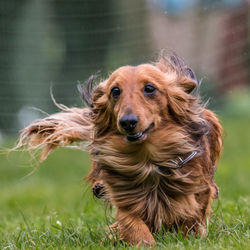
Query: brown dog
{"points": [[154, 147]]}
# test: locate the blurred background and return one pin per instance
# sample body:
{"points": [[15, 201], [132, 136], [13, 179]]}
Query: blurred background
{"points": [[56, 43]]}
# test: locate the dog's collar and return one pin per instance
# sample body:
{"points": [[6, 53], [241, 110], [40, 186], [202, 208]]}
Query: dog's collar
{"points": [[176, 164]]}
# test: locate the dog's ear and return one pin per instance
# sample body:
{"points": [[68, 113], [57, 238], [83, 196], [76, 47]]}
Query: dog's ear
{"points": [[87, 89], [101, 110], [186, 81], [98, 96], [184, 76]]}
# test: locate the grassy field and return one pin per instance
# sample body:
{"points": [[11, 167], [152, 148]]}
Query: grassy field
{"points": [[54, 209]]}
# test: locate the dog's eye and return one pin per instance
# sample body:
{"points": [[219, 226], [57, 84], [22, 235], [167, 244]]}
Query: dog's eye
{"points": [[149, 89], [115, 92]]}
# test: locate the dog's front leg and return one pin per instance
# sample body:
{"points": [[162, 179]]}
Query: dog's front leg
{"points": [[133, 230]]}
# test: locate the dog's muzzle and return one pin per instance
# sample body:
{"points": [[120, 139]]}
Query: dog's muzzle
{"points": [[140, 135]]}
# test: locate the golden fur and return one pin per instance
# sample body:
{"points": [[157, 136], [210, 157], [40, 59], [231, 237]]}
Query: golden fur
{"points": [[136, 175]]}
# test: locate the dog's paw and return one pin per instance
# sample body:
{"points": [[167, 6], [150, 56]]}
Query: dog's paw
{"points": [[114, 231], [98, 189], [215, 191], [138, 238], [145, 243]]}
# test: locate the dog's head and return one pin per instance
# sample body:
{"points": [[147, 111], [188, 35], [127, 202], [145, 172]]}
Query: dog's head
{"points": [[136, 100]]}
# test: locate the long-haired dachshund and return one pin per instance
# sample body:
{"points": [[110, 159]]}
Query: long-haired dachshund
{"points": [[154, 147]]}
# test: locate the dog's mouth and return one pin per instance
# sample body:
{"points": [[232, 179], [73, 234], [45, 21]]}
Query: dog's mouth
{"points": [[140, 135]]}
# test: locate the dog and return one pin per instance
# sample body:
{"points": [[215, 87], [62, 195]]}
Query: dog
{"points": [[154, 147]]}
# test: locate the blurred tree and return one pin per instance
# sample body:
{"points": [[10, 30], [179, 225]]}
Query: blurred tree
{"points": [[87, 30], [133, 41], [9, 12]]}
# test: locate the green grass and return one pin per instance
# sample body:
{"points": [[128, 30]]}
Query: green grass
{"points": [[54, 209]]}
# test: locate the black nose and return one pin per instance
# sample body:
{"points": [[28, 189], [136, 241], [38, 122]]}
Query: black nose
{"points": [[129, 122]]}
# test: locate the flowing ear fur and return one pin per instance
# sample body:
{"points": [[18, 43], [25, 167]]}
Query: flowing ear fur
{"points": [[187, 84], [60, 129], [87, 90], [187, 112], [183, 107], [184, 76]]}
